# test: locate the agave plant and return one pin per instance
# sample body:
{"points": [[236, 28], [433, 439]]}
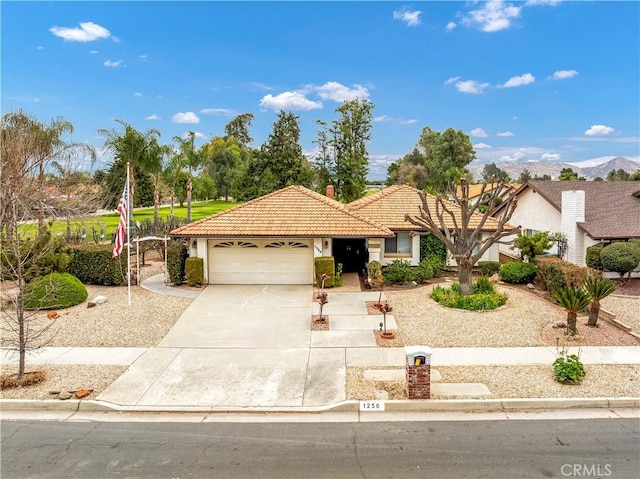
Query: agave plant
{"points": [[598, 288], [573, 300]]}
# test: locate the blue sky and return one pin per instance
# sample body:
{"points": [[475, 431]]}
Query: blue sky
{"points": [[537, 80]]}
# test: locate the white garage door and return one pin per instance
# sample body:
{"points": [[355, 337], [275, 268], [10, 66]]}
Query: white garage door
{"points": [[263, 261]]}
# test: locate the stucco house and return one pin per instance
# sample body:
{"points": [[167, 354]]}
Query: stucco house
{"points": [[587, 212], [274, 238]]}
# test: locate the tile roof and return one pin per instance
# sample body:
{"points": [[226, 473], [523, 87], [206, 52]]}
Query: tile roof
{"points": [[612, 208], [390, 205], [291, 211], [476, 188]]}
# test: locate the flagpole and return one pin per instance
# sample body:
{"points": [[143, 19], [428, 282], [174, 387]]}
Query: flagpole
{"points": [[129, 213]]}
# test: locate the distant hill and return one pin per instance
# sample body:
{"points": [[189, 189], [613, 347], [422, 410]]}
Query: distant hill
{"points": [[541, 168]]}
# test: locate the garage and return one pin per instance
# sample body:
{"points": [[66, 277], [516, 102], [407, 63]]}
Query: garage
{"points": [[260, 261]]}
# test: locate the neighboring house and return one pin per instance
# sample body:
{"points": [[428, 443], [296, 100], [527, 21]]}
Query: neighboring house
{"points": [[475, 190], [587, 212], [274, 238]]}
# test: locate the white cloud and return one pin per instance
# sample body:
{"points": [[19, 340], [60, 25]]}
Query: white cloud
{"points": [[87, 32], [186, 117], [451, 80], [521, 80], [381, 118], [93, 52], [196, 134], [40, 47], [111, 64], [517, 155], [480, 146], [534, 3], [410, 121], [411, 17], [550, 157], [218, 111], [599, 130], [389, 119], [152, 117], [478, 132], [288, 100], [492, 16], [259, 86], [138, 94], [338, 92], [451, 26], [471, 86], [505, 133], [563, 74], [143, 57], [23, 99]]}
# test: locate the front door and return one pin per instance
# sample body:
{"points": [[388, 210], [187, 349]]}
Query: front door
{"points": [[352, 253]]}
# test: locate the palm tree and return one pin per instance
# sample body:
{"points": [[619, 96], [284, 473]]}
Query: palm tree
{"points": [[130, 147], [171, 175], [573, 300], [192, 159], [598, 288], [154, 163]]}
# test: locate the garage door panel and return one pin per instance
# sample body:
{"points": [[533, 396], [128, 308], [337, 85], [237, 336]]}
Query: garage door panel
{"points": [[273, 261]]}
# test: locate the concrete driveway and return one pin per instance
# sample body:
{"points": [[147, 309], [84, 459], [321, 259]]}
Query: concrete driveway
{"points": [[237, 346]]}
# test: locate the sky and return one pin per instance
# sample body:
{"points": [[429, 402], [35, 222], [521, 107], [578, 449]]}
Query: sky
{"points": [[527, 81]]}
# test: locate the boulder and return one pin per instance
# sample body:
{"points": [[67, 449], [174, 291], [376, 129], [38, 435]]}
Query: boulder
{"points": [[97, 300]]}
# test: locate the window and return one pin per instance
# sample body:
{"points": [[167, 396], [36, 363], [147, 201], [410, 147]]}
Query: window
{"points": [[400, 244]]}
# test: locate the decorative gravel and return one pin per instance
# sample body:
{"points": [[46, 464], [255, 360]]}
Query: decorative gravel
{"points": [[517, 324], [510, 382], [626, 309], [64, 378]]}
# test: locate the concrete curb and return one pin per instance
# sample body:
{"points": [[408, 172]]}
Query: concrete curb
{"points": [[435, 405]]}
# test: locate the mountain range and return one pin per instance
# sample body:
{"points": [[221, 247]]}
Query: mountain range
{"points": [[590, 169]]}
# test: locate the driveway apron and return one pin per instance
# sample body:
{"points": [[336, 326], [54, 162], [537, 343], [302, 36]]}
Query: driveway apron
{"points": [[234, 346]]}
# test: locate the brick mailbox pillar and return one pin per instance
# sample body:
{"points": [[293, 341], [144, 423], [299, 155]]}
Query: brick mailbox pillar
{"points": [[418, 372]]}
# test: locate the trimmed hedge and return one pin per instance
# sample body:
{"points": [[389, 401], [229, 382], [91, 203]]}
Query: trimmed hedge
{"points": [[554, 273], [489, 268], [326, 265], [374, 271], [93, 264], [518, 273], [194, 271], [592, 258], [177, 255], [54, 291], [620, 258], [433, 250]]}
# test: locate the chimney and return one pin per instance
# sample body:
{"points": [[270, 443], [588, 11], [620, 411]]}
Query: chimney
{"points": [[573, 212], [330, 191]]}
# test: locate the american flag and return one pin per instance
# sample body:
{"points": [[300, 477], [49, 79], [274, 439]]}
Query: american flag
{"points": [[122, 226]]}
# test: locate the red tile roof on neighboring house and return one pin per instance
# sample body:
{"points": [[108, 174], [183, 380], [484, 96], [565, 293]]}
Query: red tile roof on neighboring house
{"points": [[389, 207], [291, 211], [612, 208]]}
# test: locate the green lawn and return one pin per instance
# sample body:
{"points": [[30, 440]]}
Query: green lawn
{"points": [[110, 221]]}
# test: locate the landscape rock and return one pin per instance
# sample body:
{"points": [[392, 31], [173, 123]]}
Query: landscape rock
{"points": [[64, 395], [97, 300], [52, 314], [80, 393], [530, 286], [495, 278]]}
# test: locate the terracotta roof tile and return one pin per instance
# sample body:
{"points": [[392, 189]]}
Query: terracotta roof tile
{"points": [[291, 211], [389, 207]]}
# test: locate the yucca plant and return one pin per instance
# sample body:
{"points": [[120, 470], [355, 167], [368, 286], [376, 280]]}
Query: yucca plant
{"points": [[573, 300], [598, 288]]}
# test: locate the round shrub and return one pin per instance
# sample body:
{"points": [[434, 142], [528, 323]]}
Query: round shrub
{"points": [[592, 259], [620, 258], [489, 268], [518, 273], [54, 291], [399, 272], [424, 271]]}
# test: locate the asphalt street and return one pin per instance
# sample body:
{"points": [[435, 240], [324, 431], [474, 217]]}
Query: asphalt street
{"points": [[429, 449]]}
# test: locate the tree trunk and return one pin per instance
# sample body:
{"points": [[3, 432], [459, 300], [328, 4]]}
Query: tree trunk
{"points": [[464, 276], [22, 334], [189, 188], [593, 314], [572, 328], [156, 197]]}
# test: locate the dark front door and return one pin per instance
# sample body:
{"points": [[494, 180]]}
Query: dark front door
{"points": [[352, 253]]}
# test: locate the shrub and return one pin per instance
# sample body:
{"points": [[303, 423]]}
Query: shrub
{"points": [[176, 258], [568, 368], [337, 279], [40, 256], [374, 270], [483, 285], [324, 265], [399, 272], [592, 259], [620, 258], [554, 273], [54, 291], [430, 246], [532, 246], [489, 268], [194, 271], [518, 273], [424, 272], [93, 264], [436, 262], [480, 301]]}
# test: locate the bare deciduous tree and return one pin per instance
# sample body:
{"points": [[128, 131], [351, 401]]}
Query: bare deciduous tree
{"points": [[460, 226]]}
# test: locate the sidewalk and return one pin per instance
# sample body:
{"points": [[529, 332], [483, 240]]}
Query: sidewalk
{"points": [[366, 357]]}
